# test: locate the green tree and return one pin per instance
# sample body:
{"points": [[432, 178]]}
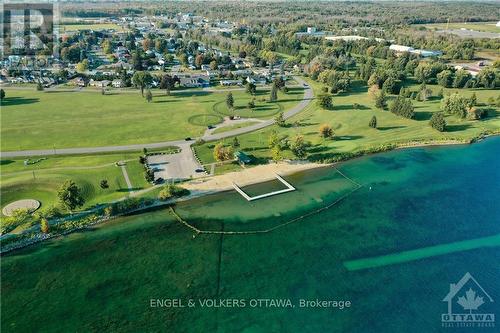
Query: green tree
{"points": [[438, 122], [424, 93], [402, 107], [299, 147], [445, 78], [280, 120], [104, 184], [276, 153], [274, 93], [251, 88], [273, 139], [389, 86], [172, 191], [2, 94], [472, 100], [455, 104], [325, 101], [373, 122], [141, 80], [236, 142], [70, 195], [39, 86], [167, 82], [149, 175], [230, 101], [380, 100], [149, 96]]}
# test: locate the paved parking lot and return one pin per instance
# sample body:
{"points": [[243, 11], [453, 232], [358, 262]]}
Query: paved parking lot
{"points": [[178, 166]]}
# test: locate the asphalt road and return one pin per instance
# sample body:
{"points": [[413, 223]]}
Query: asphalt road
{"points": [[308, 96]]}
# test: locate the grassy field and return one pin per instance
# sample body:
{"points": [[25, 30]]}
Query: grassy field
{"points": [[41, 180], [44, 120], [352, 132], [233, 127], [477, 26]]}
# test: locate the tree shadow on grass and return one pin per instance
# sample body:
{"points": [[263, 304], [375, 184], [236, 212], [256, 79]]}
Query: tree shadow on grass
{"points": [[348, 137], [318, 149], [5, 162], [386, 128], [9, 101], [423, 115], [61, 91], [129, 189], [457, 127], [191, 93], [257, 160], [349, 107]]}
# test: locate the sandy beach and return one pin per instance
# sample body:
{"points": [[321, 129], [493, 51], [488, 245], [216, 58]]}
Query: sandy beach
{"points": [[253, 175]]}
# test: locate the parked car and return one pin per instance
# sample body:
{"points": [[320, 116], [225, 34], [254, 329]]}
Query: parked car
{"points": [[199, 170]]}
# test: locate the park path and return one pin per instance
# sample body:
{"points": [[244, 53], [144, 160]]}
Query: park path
{"points": [[127, 179], [306, 99]]}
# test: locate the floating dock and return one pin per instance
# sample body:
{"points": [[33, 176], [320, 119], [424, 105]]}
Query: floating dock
{"points": [[288, 188]]}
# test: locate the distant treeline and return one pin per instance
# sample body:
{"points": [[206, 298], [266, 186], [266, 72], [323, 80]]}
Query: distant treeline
{"points": [[326, 13]]}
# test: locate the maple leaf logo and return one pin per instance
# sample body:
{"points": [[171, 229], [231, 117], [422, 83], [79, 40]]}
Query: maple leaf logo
{"points": [[470, 301]]}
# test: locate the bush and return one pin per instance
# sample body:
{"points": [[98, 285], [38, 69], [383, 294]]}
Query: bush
{"points": [[326, 131], [438, 122], [476, 113], [172, 191], [373, 122], [325, 101]]}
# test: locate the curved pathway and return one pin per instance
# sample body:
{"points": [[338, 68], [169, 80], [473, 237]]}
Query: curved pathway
{"points": [[308, 96]]}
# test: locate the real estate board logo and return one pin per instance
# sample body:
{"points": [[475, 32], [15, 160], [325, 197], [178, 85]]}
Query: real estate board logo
{"points": [[28, 29], [469, 305]]}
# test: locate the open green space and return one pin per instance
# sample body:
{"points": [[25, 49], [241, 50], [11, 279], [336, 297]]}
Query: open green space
{"points": [[233, 127], [352, 132], [263, 108], [477, 26], [41, 180], [56, 119]]}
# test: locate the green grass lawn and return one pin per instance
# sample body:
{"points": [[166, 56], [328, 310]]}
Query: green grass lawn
{"points": [[41, 180], [44, 120], [352, 132], [233, 127]]}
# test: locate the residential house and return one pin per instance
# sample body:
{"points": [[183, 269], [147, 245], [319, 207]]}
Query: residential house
{"points": [[230, 83], [198, 81], [118, 83]]}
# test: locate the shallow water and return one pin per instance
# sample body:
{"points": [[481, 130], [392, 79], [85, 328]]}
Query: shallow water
{"points": [[422, 219]]}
